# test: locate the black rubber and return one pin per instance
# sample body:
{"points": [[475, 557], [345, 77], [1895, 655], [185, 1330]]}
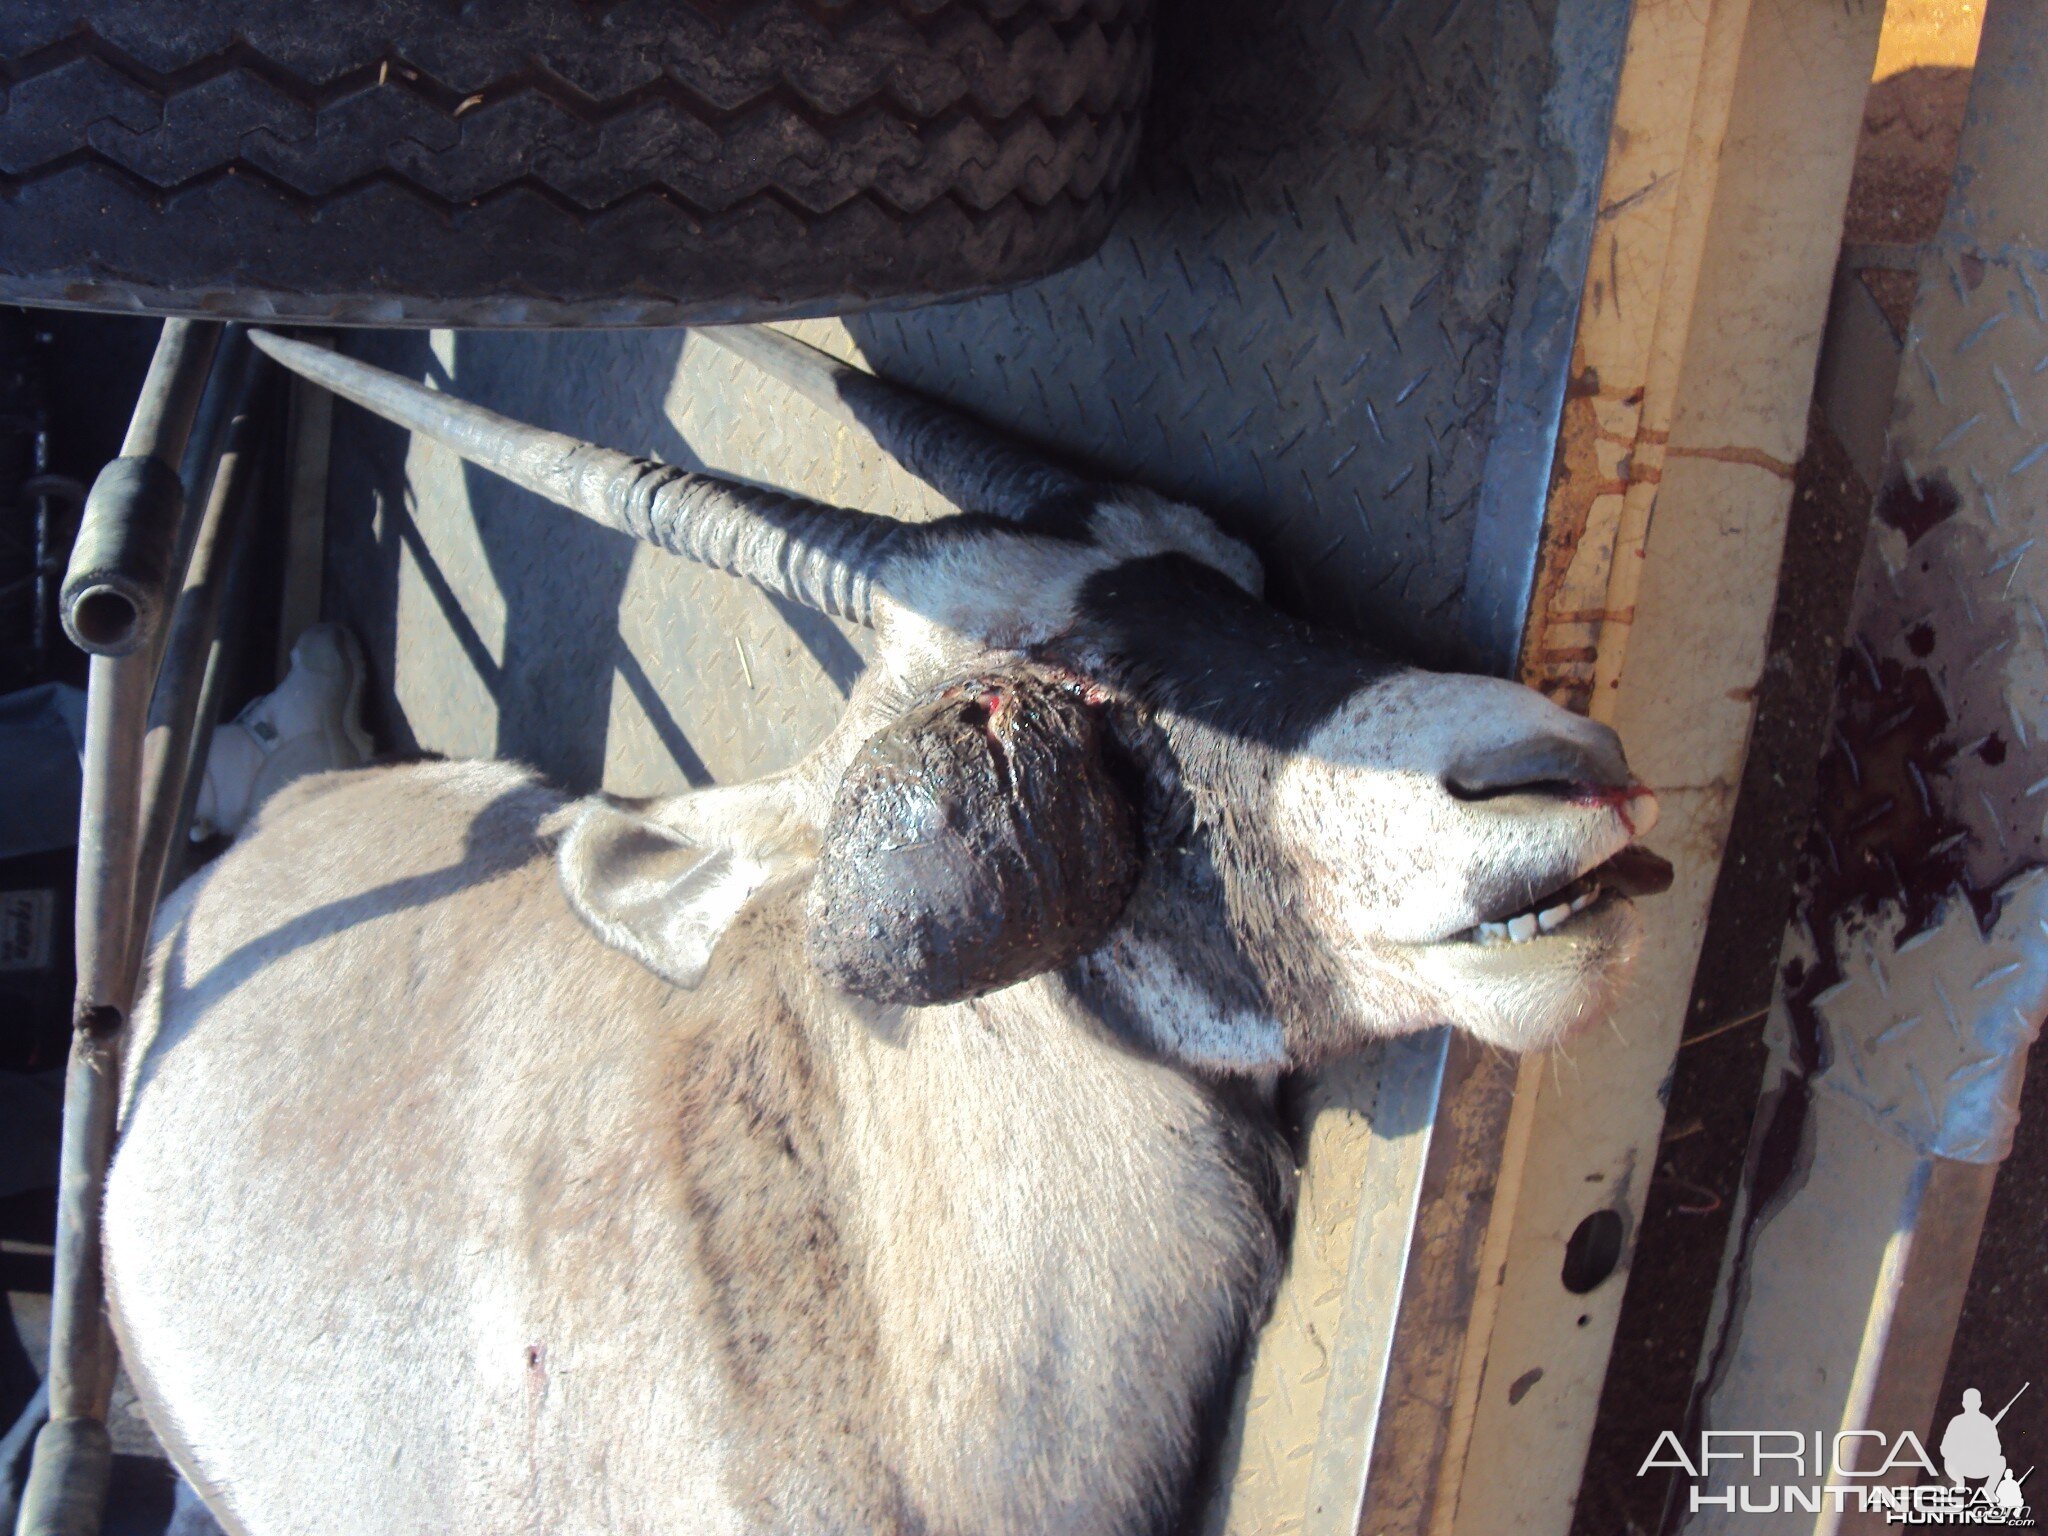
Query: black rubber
{"points": [[556, 162]]}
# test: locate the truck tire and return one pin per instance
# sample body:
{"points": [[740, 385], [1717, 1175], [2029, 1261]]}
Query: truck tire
{"points": [[556, 162]]}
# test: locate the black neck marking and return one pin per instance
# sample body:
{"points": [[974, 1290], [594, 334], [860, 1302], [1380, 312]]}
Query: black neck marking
{"points": [[1186, 640]]}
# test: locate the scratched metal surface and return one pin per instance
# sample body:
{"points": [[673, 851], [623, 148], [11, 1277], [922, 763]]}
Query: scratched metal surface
{"points": [[1354, 221]]}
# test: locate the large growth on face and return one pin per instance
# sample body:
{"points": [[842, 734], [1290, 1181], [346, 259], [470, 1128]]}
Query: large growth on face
{"points": [[978, 839]]}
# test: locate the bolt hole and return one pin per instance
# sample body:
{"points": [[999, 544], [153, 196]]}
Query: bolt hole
{"points": [[1593, 1251], [102, 616]]}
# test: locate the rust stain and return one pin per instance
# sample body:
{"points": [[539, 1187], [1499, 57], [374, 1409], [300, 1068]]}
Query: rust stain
{"points": [[1594, 615], [1756, 458], [1575, 477], [1583, 474]]}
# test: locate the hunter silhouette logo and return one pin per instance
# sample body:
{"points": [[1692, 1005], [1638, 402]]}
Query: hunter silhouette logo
{"points": [[1972, 1452]]}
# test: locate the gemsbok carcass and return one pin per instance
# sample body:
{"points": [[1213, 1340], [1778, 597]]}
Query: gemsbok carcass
{"points": [[887, 1145]]}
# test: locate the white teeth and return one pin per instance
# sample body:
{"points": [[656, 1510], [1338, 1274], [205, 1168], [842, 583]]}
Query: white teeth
{"points": [[1524, 926]]}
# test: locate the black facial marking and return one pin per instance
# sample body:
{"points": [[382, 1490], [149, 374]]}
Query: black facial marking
{"points": [[1181, 908], [1215, 693], [1186, 639], [1070, 516]]}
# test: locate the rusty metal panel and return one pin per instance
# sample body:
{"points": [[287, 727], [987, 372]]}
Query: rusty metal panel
{"points": [[1353, 253], [1916, 967]]}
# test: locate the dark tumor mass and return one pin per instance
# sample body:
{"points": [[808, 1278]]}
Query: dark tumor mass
{"points": [[980, 839]]}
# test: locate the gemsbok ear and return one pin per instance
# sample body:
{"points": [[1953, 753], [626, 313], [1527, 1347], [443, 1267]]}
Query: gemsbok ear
{"points": [[652, 893], [979, 840]]}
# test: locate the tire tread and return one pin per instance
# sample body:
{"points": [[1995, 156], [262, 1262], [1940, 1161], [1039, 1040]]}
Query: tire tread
{"points": [[1001, 114]]}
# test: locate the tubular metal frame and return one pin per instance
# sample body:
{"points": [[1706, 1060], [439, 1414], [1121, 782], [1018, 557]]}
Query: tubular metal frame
{"points": [[144, 596]]}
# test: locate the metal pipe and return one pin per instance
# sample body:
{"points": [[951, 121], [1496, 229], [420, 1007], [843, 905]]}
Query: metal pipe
{"points": [[66, 1493], [119, 580], [130, 546], [14, 1447], [200, 461], [175, 708], [66, 1490], [226, 635]]}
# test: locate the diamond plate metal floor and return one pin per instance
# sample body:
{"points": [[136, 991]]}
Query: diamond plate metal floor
{"points": [[1349, 260]]}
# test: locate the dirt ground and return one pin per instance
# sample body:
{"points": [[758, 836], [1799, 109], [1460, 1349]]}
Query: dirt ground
{"points": [[1912, 122]]}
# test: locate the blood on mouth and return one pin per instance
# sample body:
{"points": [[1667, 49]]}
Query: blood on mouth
{"points": [[1615, 799]]}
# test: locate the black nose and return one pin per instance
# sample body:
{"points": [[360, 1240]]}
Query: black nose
{"points": [[1589, 758]]}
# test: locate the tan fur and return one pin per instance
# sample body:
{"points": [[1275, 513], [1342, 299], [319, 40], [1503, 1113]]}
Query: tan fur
{"points": [[593, 1253]]}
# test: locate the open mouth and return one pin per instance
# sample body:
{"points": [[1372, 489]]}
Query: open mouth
{"points": [[1634, 871]]}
